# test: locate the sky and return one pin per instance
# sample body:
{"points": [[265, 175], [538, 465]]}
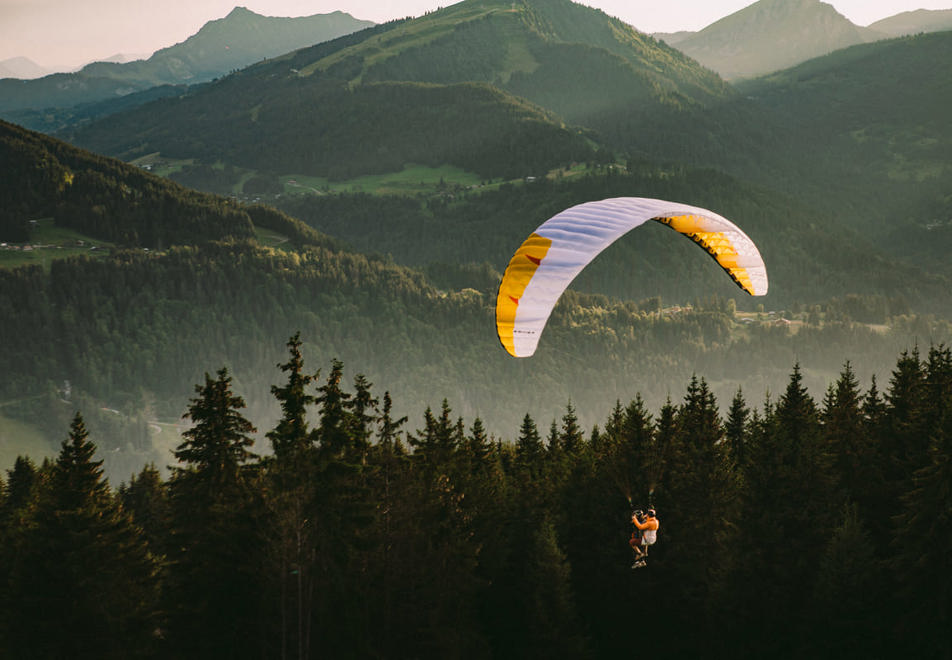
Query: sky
{"points": [[70, 33]]}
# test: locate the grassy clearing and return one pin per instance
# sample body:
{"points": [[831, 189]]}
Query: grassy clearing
{"points": [[412, 180], [20, 439], [49, 242], [160, 165], [269, 238]]}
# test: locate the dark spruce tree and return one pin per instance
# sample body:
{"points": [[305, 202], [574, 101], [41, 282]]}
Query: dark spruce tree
{"points": [[290, 439], [852, 446], [922, 541], [146, 498], [786, 510], [340, 517], [736, 430], [82, 581], [289, 568], [846, 614], [700, 494], [388, 482], [215, 557]]}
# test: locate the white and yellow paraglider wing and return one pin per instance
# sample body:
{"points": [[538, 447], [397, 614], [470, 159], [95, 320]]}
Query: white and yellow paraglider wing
{"points": [[547, 262], [731, 248]]}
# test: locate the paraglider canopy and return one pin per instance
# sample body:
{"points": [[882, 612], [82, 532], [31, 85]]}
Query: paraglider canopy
{"points": [[547, 262]]}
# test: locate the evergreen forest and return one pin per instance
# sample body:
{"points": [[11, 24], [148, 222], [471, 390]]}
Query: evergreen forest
{"points": [[790, 528]]}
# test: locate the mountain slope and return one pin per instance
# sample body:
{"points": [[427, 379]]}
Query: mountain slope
{"points": [[770, 35], [324, 128], [221, 46], [579, 62], [869, 122]]}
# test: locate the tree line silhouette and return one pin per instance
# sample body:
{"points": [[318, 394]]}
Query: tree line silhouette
{"points": [[799, 528]]}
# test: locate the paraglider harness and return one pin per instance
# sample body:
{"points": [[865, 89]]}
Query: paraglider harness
{"points": [[637, 541]]}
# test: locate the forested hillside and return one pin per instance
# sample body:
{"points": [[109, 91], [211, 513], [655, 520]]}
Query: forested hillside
{"points": [[871, 123], [103, 197], [800, 527], [311, 129], [130, 330], [861, 132], [810, 257], [110, 200]]}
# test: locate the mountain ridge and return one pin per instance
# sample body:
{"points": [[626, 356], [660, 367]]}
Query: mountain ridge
{"points": [[220, 46], [528, 50], [912, 22]]}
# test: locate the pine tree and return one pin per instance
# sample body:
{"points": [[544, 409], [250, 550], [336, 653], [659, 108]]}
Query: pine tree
{"points": [[571, 437], [146, 499], [553, 627], [389, 483], [700, 511], [785, 514], [341, 514], [844, 432], [290, 438], [19, 493], [901, 436], [553, 441], [333, 432], [291, 474], [435, 444], [216, 448], [923, 540], [478, 447], [640, 450], [847, 612], [666, 428], [905, 404], [83, 580], [529, 451], [388, 427], [215, 562], [363, 408], [736, 429]]}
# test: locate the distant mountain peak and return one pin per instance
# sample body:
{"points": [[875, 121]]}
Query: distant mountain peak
{"points": [[22, 68], [771, 14], [219, 47], [773, 34]]}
